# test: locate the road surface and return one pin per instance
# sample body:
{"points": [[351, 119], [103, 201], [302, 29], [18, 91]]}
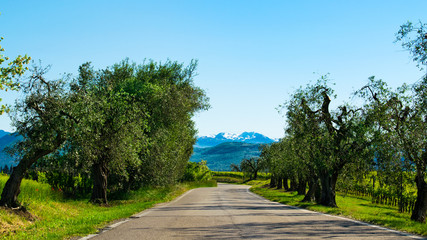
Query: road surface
{"points": [[232, 212]]}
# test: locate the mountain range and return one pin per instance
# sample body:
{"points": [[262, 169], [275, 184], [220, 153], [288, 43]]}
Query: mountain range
{"points": [[224, 149], [245, 137], [7, 139]]}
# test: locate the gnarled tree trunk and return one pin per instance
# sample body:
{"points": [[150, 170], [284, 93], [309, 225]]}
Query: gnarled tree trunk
{"points": [[273, 181], [294, 185], [100, 176], [279, 183], [9, 196], [310, 196], [328, 182], [302, 185], [255, 174], [419, 212]]}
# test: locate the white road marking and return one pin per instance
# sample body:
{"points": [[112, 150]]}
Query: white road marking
{"points": [[343, 218], [141, 214]]}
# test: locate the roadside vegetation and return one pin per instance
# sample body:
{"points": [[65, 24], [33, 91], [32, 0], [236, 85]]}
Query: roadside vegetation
{"points": [[237, 177], [107, 131], [111, 142], [52, 216], [352, 206], [98, 146], [375, 150], [367, 161]]}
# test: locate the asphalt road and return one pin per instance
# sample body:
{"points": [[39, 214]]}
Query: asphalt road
{"points": [[232, 212]]}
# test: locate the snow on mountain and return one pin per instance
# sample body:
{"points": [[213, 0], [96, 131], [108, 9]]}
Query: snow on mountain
{"points": [[245, 137]]}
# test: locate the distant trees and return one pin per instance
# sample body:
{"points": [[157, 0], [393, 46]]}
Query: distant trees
{"points": [[126, 125], [6, 169], [250, 167]]}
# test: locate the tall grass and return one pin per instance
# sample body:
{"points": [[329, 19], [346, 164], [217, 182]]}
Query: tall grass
{"points": [[33, 192]]}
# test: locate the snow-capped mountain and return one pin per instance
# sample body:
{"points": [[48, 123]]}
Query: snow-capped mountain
{"points": [[246, 137]]}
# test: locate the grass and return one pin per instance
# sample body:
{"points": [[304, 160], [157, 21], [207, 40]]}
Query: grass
{"points": [[359, 208], [53, 217], [235, 177]]}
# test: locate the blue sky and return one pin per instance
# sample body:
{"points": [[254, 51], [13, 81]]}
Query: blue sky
{"points": [[252, 54]]}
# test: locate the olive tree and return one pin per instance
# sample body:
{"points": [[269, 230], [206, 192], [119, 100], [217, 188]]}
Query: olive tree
{"points": [[337, 136], [402, 117], [42, 119]]}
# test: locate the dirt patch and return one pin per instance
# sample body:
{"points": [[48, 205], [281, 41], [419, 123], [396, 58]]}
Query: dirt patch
{"points": [[21, 212], [13, 220]]}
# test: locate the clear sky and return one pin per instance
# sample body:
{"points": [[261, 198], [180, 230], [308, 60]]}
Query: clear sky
{"points": [[252, 54]]}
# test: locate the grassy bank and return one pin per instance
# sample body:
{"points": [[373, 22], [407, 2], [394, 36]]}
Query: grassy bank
{"points": [[235, 177], [359, 208], [53, 217]]}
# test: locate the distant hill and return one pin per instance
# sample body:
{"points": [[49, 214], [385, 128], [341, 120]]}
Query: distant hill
{"points": [[3, 133], [7, 139], [220, 157], [246, 137]]}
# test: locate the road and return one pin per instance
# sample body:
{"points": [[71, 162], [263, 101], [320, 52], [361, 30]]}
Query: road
{"points": [[232, 212]]}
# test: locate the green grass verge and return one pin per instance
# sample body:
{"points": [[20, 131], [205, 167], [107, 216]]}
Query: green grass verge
{"points": [[235, 177], [58, 218], [359, 208]]}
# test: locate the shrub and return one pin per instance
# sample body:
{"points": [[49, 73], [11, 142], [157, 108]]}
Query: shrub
{"points": [[197, 171]]}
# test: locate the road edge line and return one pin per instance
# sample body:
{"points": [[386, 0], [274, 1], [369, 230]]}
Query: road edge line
{"points": [[340, 217], [137, 215]]}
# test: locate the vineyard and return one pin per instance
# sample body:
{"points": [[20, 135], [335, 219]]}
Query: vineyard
{"points": [[402, 195]]}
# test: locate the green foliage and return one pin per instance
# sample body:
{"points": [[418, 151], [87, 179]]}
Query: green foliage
{"points": [[319, 142], [414, 38], [252, 166], [8, 75], [383, 188], [71, 186], [196, 172], [338, 149], [399, 117], [112, 130]]}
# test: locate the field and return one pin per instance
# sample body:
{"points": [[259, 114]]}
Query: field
{"points": [[53, 217]]}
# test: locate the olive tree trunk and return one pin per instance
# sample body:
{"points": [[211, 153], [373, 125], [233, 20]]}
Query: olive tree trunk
{"points": [[12, 188], [273, 181], [100, 176], [302, 185], [419, 212], [310, 196], [328, 183]]}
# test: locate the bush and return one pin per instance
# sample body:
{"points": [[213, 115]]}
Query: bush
{"points": [[71, 186], [196, 172]]}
